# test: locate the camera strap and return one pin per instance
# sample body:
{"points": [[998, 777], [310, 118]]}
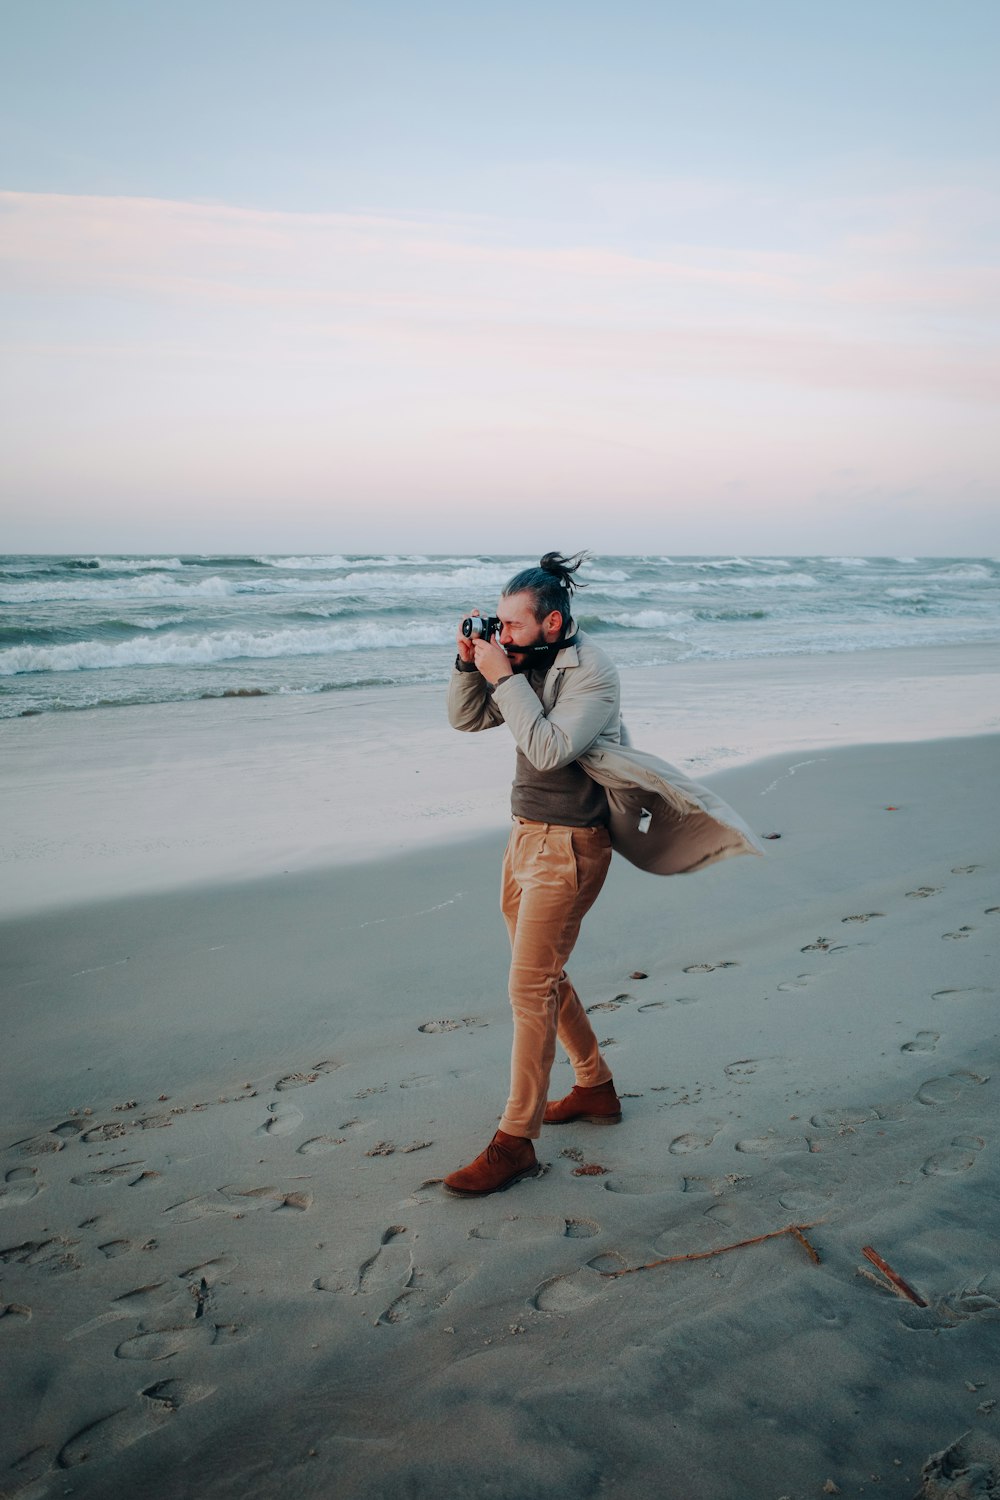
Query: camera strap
{"points": [[535, 658]]}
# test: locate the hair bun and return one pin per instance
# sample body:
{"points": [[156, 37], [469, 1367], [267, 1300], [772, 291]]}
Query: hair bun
{"points": [[550, 584], [563, 568]]}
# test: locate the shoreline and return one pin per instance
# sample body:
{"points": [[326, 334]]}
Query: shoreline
{"points": [[161, 796]]}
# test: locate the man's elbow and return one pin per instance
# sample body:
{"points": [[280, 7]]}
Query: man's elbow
{"points": [[551, 757]]}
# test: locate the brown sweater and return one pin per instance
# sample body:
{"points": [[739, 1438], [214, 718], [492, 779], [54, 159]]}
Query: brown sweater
{"points": [[566, 796]]}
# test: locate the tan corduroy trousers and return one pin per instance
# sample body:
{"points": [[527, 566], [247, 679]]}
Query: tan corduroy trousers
{"points": [[552, 876]]}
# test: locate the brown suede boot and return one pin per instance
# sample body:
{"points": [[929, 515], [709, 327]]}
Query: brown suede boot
{"points": [[506, 1160], [597, 1106]]}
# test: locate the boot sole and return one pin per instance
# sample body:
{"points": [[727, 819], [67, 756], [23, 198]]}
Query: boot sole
{"points": [[533, 1171], [587, 1120]]}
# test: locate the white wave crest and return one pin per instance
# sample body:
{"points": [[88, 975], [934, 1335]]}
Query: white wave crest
{"points": [[777, 581], [147, 586], [175, 649], [961, 573], [646, 619], [135, 564], [334, 561], [481, 577], [331, 563]]}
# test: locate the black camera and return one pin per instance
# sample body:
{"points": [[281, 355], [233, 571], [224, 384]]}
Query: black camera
{"points": [[485, 627]]}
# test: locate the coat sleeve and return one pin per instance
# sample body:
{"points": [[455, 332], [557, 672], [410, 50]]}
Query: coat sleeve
{"points": [[587, 705], [470, 702]]}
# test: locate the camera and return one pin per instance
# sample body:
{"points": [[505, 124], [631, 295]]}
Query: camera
{"points": [[485, 627]]}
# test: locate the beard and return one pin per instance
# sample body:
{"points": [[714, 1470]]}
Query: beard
{"points": [[524, 657]]}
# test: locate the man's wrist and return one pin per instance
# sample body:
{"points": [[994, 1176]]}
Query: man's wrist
{"points": [[464, 666]]}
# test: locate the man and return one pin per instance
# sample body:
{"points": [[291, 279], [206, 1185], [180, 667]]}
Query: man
{"points": [[579, 790]]}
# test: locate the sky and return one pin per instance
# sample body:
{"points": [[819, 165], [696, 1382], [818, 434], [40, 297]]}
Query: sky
{"points": [[395, 275]]}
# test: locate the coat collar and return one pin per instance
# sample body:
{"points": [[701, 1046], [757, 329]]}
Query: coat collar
{"points": [[569, 656]]}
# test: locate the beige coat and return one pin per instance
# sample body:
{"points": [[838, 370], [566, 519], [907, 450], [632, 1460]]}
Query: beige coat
{"points": [[660, 819]]}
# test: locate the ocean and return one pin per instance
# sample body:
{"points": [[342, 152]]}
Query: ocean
{"points": [[95, 632]]}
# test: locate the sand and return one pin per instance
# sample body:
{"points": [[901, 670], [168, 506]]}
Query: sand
{"points": [[227, 1267]]}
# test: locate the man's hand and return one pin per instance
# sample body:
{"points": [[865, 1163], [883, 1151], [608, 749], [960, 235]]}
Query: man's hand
{"points": [[466, 647], [492, 660]]}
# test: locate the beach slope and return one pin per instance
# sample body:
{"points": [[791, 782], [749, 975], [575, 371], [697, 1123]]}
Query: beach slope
{"points": [[229, 1269]]}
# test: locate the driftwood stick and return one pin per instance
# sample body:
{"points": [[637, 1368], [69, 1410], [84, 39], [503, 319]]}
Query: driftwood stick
{"points": [[797, 1231], [811, 1251], [901, 1286]]}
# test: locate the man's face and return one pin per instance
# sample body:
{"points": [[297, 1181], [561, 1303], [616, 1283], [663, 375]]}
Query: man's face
{"points": [[519, 627]]}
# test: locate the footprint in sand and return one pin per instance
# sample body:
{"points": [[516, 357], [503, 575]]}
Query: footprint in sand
{"points": [[112, 1131], [517, 1229], [924, 1041], [960, 1157], [284, 1119], [801, 1200], [113, 1248], [964, 869], [38, 1145], [301, 1080], [772, 1145], [637, 1184], [568, 1293], [848, 1118], [55, 1254], [963, 932], [146, 1299], [981, 1300], [210, 1271], [938, 1091], [120, 1429], [694, 1140], [864, 917], [13, 1315], [107, 1175], [824, 945], [611, 1261], [432, 1028], [163, 1343], [800, 982], [726, 963], [746, 1067], [974, 992], [924, 891], [423, 1294], [392, 1263], [20, 1186], [318, 1145], [236, 1202], [968, 1466], [717, 1186]]}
